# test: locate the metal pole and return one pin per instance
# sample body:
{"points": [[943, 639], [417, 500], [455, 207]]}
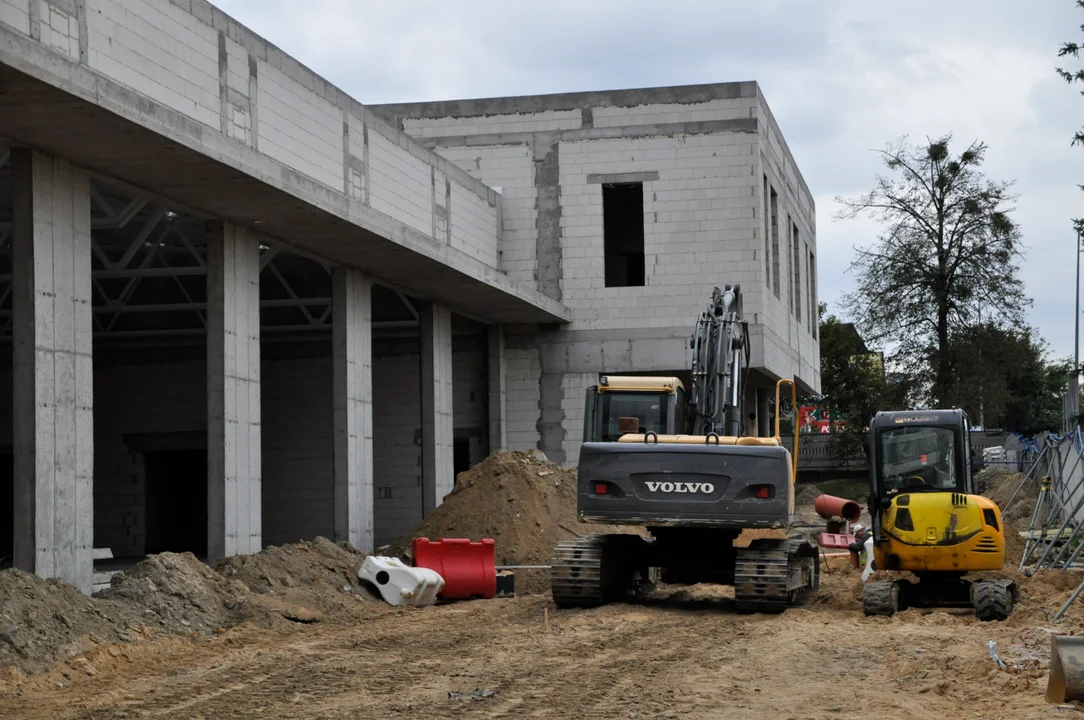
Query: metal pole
{"points": [[1044, 489], [1076, 593], [1025, 480], [1074, 384], [1065, 523]]}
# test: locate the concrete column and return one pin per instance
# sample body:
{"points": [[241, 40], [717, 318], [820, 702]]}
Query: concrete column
{"points": [[352, 361], [498, 390], [53, 369], [765, 426], [234, 522], [438, 469]]}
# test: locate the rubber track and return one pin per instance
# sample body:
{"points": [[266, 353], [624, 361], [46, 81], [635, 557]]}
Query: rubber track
{"points": [[576, 572], [760, 576], [877, 598]]}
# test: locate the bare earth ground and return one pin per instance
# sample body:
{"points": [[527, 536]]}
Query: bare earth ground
{"points": [[683, 653]]}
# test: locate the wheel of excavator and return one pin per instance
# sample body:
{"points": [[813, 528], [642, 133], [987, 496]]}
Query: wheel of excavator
{"points": [[994, 599], [881, 598]]}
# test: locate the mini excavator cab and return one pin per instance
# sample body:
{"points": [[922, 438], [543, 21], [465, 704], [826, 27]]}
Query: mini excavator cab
{"points": [[927, 519]]}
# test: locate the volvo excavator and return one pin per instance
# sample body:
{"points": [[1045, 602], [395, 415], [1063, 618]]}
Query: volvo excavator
{"points": [[683, 468]]}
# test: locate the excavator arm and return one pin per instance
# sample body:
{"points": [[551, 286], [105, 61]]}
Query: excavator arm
{"points": [[719, 366]]}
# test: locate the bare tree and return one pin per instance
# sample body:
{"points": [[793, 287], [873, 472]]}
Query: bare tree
{"points": [[945, 259]]}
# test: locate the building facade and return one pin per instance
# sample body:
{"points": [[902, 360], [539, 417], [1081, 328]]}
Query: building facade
{"points": [[629, 207], [239, 308]]}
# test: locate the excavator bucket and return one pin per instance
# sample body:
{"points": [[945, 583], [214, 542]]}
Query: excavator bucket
{"points": [[1066, 681]]}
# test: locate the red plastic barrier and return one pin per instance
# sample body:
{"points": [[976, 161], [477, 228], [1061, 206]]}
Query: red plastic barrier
{"points": [[840, 541], [468, 568], [829, 506]]}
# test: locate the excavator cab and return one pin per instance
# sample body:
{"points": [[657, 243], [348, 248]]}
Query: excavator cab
{"points": [[619, 405]]}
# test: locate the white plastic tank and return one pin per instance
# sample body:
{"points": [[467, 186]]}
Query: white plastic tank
{"points": [[400, 584]]}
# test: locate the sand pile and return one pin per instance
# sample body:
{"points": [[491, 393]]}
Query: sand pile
{"points": [[525, 504]]}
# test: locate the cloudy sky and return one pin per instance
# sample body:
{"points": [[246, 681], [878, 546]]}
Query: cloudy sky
{"points": [[843, 77]]}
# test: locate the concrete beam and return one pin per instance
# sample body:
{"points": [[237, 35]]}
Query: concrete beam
{"points": [[438, 469], [53, 369], [352, 361], [234, 522], [498, 390]]}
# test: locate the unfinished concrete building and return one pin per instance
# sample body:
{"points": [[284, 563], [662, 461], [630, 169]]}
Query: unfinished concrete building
{"points": [[628, 207], [238, 308]]}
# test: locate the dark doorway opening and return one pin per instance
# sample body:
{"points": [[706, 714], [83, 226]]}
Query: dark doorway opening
{"points": [[461, 455], [176, 501]]}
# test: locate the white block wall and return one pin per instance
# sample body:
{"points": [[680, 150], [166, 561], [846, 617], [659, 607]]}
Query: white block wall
{"points": [[474, 226], [298, 127], [511, 168], [160, 50], [524, 370], [788, 337], [169, 53], [494, 124], [16, 13], [698, 218], [574, 386], [402, 185], [661, 113]]}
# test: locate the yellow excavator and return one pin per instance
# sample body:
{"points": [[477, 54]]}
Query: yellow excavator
{"points": [[927, 520]]}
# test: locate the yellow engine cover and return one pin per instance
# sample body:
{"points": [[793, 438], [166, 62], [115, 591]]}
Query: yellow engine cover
{"points": [[941, 531]]}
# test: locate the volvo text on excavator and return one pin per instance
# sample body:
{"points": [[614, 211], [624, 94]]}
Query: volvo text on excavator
{"points": [[683, 468]]}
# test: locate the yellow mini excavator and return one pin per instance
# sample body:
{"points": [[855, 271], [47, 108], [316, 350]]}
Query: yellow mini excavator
{"points": [[927, 520]]}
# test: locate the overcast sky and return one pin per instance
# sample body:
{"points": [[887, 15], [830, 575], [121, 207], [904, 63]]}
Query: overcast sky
{"points": [[842, 77]]}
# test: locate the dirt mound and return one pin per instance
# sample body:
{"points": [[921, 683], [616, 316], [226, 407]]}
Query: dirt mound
{"points": [[527, 505], [46, 621], [317, 575], [179, 593], [43, 622]]}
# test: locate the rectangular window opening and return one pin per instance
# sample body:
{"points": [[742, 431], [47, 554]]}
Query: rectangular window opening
{"points": [[796, 257], [775, 240], [767, 236], [623, 234]]}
